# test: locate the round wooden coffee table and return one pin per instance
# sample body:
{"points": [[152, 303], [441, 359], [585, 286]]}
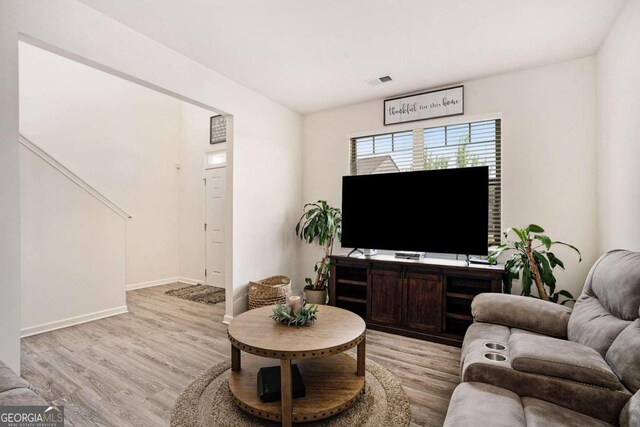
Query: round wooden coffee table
{"points": [[333, 380]]}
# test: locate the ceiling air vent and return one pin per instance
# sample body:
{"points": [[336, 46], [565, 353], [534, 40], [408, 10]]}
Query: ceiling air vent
{"points": [[379, 80]]}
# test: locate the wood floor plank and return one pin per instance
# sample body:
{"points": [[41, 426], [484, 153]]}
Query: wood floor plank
{"points": [[128, 370]]}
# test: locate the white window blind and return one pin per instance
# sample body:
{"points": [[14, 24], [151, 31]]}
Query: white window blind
{"points": [[443, 147]]}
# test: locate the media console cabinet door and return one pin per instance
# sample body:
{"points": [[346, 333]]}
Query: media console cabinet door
{"points": [[386, 296], [423, 302]]}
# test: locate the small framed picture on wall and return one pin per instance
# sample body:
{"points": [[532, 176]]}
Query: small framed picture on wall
{"points": [[217, 130]]}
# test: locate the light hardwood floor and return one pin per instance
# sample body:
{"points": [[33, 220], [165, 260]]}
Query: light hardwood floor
{"points": [[128, 370]]}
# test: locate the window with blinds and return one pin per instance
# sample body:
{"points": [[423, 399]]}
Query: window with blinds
{"points": [[443, 147]]}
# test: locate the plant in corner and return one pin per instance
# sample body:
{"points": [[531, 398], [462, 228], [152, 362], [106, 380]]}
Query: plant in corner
{"points": [[532, 258], [323, 223]]}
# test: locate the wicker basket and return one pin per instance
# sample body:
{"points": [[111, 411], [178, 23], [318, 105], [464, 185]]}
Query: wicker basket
{"points": [[269, 291]]}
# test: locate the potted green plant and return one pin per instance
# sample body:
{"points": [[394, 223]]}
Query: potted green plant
{"points": [[323, 223], [533, 260]]}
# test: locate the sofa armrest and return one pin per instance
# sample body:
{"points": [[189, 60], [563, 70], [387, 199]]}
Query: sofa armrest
{"points": [[9, 380], [515, 311], [568, 360]]}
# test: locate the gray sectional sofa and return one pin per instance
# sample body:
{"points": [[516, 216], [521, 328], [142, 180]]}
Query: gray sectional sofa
{"points": [[529, 362], [15, 391]]}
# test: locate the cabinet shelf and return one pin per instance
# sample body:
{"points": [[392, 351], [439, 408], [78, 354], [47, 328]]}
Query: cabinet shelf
{"points": [[459, 295], [459, 316], [351, 282], [349, 299]]}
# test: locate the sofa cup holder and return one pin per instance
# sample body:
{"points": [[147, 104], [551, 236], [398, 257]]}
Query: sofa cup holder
{"points": [[495, 357], [495, 346]]}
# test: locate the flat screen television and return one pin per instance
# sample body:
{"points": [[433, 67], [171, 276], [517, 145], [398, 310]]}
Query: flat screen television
{"points": [[443, 211]]}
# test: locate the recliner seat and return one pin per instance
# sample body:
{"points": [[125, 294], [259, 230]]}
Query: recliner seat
{"points": [[586, 359], [478, 404]]}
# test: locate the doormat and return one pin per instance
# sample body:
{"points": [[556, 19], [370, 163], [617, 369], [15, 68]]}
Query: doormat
{"points": [[199, 293]]}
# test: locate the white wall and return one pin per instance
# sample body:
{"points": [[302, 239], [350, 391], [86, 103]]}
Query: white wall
{"points": [[127, 141], [618, 77], [265, 152], [548, 152], [120, 137], [194, 137], [73, 251], [9, 188]]}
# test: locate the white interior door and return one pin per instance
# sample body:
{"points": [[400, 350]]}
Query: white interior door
{"points": [[215, 226]]}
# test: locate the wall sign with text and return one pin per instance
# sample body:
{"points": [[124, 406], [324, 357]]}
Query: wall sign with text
{"points": [[217, 129], [426, 105]]}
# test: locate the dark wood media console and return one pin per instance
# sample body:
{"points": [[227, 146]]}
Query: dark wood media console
{"points": [[428, 298]]}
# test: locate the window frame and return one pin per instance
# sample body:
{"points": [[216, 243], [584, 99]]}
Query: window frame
{"points": [[419, 154]]}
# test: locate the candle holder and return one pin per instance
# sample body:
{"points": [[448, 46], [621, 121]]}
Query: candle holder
{"points": [[295, 312], [294, 303]]}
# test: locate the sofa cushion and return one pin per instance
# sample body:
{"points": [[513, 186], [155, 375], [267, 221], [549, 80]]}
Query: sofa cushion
{"points": [[591, 325], [476, 404], [9, 380], [522, 331], [616, 283], [520, 312], [539, 413], [20, 397], [562, 359], [624, 356], [630, 415], [609, 301]]}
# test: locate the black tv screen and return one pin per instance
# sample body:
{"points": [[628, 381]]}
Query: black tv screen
{"points": [[444, 211]]}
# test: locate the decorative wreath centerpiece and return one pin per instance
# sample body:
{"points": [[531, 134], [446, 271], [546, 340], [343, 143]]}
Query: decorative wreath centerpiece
{"points": [[304, 316]]}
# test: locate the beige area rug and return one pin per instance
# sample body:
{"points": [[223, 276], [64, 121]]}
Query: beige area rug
{"points": [[199, 293], [207, 402]]}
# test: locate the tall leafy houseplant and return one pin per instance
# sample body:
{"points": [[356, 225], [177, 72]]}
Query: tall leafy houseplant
{"points": [[533, 260], [323, 223]]}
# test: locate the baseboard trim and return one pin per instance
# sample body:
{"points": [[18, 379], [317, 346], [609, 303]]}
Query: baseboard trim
{"points": [[71, 321], [166, 281], [151, 283], [188, 281], [241, 302]]}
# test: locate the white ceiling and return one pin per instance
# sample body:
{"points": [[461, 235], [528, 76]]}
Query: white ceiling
{"points": [[314, 55]]}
